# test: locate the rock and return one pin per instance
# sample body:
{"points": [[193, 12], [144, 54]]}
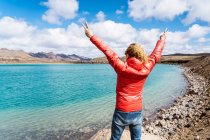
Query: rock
{"points": [[189, 115], [160, 117], [161, 110], [200, 129], [160, 123], [175, 116], [66, 136], [197, 138], [155, 131], [167, 117], [179, 126], [203, 114], [190, 100], [208, 108], [150, 129], [171, 133], [187, 125], [192, 92], [145, 119]]}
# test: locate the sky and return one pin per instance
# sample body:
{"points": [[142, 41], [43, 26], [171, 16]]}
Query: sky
{"points": [[55, 25]]}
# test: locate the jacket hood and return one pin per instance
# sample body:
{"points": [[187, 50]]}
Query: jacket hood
{"points": [[134, 63]]}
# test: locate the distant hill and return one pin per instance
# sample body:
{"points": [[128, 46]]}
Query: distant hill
{"points": [[16, 56], [19, 56], [59, 57]]}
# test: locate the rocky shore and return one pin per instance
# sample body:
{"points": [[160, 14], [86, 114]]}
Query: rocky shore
{"points": [[188, 118]]}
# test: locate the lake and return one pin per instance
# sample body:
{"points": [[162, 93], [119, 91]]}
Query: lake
{"points": [[44, 101]]}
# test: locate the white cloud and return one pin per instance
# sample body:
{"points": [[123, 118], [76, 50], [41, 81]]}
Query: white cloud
{"points": [[117, 35], [197, 31], [203, 40], [100, 16], [159, 9], [198, 10], [11, 27], [169, 9], [60, 10], [114, 32], [119, 12]]}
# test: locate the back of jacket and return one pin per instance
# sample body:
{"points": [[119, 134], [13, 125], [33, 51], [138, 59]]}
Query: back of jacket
{"points": [[131, 75]]}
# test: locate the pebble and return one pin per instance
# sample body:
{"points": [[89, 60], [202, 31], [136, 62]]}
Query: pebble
{"points": [[197, 138]]}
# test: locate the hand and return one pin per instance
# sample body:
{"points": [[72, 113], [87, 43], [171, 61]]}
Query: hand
{"points": [[88, 32], [163, 36]]}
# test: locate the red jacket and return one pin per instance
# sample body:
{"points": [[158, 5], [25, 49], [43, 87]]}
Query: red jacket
{"points": [[131, 75]]}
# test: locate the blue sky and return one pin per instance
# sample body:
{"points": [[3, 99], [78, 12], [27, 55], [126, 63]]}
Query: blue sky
{"points": [[32, 10], [54, 25]]}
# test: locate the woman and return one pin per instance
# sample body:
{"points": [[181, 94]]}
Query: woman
{"points": [[131, 77]]}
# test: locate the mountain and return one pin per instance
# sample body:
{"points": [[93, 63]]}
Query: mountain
{"points": [[60, 57], [19, 56], [16, 56]]}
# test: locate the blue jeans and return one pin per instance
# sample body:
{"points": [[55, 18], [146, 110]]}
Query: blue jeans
{"points": [[122, 119]]}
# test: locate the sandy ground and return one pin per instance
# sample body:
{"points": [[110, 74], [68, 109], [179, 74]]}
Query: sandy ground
{"points": [[106, 133]]}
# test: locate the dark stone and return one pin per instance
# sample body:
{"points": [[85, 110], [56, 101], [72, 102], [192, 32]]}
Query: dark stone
{"points": [[203, 114], [192, 92], [200, 129], [171, 133], [145, 119], [175, 116], [208, 108], [160, 117], [187, 125]]}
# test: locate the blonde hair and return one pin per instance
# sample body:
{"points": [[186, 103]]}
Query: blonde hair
{"points": [[136, 50]]}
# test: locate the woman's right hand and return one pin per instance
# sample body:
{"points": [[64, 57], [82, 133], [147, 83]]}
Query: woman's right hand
{"points": [[88, 32]]}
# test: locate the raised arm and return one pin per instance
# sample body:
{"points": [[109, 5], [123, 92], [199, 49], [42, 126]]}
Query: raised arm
{"points": [[156, 53], [112, 57], [155, 56]]}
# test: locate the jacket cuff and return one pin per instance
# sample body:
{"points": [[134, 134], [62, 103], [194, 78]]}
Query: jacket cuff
{"points": [[92, 38]]}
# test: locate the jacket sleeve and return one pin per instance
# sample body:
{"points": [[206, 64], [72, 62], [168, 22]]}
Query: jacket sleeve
{"points": [[112, 57], [155, 56]]}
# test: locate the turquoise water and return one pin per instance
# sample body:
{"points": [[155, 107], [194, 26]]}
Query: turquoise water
{"points": [[45, 101]]}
